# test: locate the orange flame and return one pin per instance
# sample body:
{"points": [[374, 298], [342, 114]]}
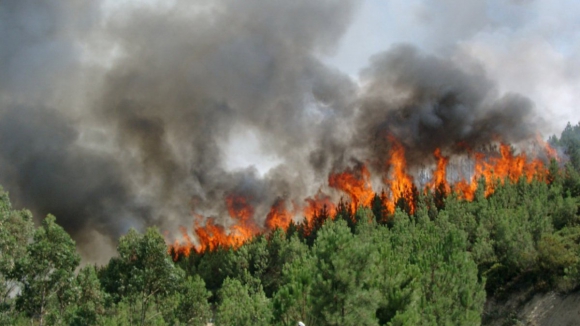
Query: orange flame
{"points": [[212, 236], [400, 183], [316, 203], [497, 169], [278, 217], [550, 151], [182, 249], [440, 174], [243, 214], [356, 183]]}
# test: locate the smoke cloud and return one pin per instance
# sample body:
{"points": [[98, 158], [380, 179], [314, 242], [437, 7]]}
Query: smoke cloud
{"points": [[118, 118], [428, 103]]}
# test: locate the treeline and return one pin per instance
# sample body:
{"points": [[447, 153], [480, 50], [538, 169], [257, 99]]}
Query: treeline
{"points": [[436, 266]]}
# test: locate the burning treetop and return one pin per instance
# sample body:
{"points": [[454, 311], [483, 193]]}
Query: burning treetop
{"points": [[493, 167]]}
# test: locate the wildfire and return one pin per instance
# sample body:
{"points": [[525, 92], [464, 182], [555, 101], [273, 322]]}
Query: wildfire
{"points": [[497, 169], [211, 236], [439, 181], [184, 248], [278, 217], [355, 182], [399, 182], [242, 213], [549, 150], [316, 204]]}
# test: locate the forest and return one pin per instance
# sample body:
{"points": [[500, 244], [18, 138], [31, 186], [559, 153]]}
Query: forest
{"points": [[435, 265]]}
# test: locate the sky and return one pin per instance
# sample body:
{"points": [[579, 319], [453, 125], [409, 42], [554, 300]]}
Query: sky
{"points": [[530, 47]]}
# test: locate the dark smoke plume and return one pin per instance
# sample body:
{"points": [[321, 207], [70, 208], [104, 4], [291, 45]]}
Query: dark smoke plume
{"points": [[429, 102], [118, 118]]}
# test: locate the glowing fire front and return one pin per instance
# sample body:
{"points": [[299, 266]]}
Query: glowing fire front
{"points": [[355, 183]]}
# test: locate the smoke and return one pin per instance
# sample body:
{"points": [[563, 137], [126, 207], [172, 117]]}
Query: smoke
{"points": [[429, 102], [118, 118]]}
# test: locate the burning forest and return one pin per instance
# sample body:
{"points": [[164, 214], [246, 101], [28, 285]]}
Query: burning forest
{"points": [[220, 121], [354, 184]]}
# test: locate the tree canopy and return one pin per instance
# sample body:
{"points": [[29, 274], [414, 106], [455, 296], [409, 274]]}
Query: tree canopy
{"points": [[434, 265]]}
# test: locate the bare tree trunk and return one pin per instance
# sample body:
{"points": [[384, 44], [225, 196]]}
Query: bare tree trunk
{"points": [[143, 309], [42, 307]]}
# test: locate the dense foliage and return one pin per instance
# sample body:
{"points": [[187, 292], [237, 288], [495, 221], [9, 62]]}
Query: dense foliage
{"points": [[434, 267]]}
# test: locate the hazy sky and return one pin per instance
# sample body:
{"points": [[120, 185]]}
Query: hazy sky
{"points": [[528, 46]]}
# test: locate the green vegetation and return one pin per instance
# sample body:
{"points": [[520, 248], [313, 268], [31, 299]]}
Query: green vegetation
{"points": [[435, 267]]}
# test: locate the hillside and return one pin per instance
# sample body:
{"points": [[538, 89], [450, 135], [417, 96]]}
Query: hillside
{"points": [[508, 256]]}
